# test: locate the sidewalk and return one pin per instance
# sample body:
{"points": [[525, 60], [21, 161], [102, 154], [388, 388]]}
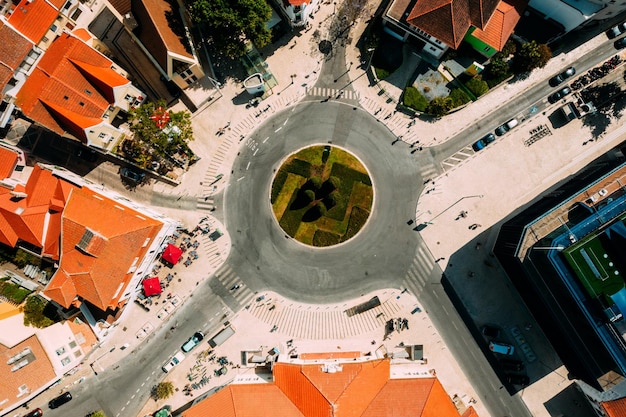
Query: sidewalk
{"points": [[253, 334]]}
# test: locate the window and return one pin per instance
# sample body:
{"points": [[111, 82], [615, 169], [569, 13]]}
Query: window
{"points": [[78, 354], [65, 97], [81, 103], [76, 14], [128, 97], [67, 5], [45, 39], [88, 92], [60, 351], [101, 135], [53, 28], [72, 344], [65, 361]]}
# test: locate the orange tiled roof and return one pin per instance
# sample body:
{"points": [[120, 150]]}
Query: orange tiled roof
{"points": [[63, 93], [33, 18], [97, 252], [29, 219], [449, 20], [82, 34], [156, 32], [8, 161], [502, 23], [13, 50], [34, 375], [615, 408], [361, 389]]}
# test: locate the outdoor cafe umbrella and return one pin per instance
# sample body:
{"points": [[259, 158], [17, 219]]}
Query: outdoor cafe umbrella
{"points": [[151, 286], [172, 254]]}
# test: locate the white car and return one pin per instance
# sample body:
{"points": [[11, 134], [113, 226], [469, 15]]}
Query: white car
{"points": [[176, 359]]}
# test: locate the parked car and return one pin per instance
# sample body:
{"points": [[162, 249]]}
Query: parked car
{"points": [[176, 359], [131, 175], [35, 413], [559, 78], [501, 130], [501, 348], [490, 331], [483, 142], [193, 341], [556, 96], [616, 30], [620, 43], [512, 365], [516, 379], [60, 400]]}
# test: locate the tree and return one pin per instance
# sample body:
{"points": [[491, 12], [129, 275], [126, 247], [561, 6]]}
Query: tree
{"points": [[98, 413], [163, 390], [440, 106], [227, 24], [34, 312], [510, 47], [314, 183], [310, 195], [532, 55], [477, 86], [414, 99], [497, 67]]}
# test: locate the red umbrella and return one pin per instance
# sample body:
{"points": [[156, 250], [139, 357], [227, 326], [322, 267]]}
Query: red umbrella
{"points": [[151, 286], [172, 254]]}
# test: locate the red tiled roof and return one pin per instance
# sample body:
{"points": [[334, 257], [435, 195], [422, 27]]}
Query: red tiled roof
{"points": [[82, 34], [122, 6], [8, 161], [615, 408], [449, 20], [33, 18], [97, 272], [156, 31], [13, 47], [361, 389], [502, 23], [63, 93], [29, 219], [446, 20], [34, 375]]}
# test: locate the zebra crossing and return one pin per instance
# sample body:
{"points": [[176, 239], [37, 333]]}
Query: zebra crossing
{"points": [[205, 203], [322, 322], [420, 272], [229, 280], [457, 158], [333, 93], [215, 252]]}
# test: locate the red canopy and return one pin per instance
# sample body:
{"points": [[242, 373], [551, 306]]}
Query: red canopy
{"points": [[172, 254], [152, 286]]}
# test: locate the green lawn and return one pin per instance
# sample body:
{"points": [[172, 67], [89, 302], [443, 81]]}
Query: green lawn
{"points": [[339, 222]]}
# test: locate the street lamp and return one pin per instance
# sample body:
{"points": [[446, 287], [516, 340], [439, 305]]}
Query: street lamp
{"points": [[369, 62]]}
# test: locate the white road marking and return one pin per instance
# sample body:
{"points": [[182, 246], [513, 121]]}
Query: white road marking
{"points": [[136, 392], [239, 179], [286, 121], [247, 166], [265, 140], [132, 397], [255, 151], [276, 131]]}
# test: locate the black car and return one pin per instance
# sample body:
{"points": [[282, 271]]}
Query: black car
{"points": [[616, 30], [35, 413], [516, 379], [60, 400], [559, 78], [553, 98], [490, 331], [131, 175], [512, 365], [620, 43], [483, 142]]}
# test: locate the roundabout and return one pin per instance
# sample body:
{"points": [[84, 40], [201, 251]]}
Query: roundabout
{"points": [[266, 257]]}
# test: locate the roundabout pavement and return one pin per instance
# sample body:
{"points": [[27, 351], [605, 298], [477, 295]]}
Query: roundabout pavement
{"points": [[264, 257]]}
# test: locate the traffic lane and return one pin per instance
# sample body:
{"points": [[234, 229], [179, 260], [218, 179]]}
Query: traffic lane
{"points": [[380, 252]]}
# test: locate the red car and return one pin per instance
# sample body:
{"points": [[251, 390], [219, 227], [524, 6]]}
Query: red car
{"points": [[35, 413]]}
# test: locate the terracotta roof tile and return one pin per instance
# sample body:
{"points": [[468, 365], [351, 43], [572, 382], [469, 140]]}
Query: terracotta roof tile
{"points": [[156, 32], [33, 18], [82, 34], [502, 23], [34, 375], [446, 20], [124, 232], [481, 11], [122, 6], [615, 408], [65, 94], [8, 161], [13, 47]]}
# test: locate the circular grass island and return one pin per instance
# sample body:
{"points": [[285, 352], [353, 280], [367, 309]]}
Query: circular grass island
{"points": [[322, 196]]}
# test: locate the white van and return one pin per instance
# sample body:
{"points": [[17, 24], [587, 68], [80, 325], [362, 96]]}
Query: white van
{"points": [[501, 348]]}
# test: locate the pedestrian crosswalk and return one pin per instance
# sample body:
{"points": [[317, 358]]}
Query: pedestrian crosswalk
{"points": [[332, 93], [421, 272], [239, 294], [457, 158], [321, 322], [205, 203]]}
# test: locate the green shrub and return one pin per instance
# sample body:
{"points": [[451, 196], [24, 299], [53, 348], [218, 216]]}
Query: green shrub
{"points": [[299, 167], [13, 292], [323, 238], [477, 86], [440, 106], [459, 97], [34, 312], [358, 217], [381, 73], [414, 99], [277, 185]]}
